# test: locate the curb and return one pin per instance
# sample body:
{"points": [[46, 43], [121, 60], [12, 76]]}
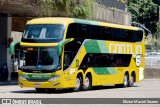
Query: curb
{"points": [[11, 82]]}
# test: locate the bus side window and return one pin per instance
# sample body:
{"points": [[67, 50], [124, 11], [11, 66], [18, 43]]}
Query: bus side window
{"points": [[85, 62], [84, 31], [140, 35], [67, 56], [72, 31], [125, 36], [117, 34], [134, 36], [103, 59], [95, 32], [106, 33]]}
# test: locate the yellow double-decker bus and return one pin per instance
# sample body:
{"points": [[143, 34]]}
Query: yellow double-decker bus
{"points": [[78, 54]]}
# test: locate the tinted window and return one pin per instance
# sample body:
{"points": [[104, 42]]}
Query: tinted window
{"points": [[67, 59], [31, 58], [105, 60], [140, 34], [84, 31], [95, 32], [117, 34], [136, 36], [43, 32], [70, 51], [72, 31], [106, 33], [31, 55], [125, 36]]}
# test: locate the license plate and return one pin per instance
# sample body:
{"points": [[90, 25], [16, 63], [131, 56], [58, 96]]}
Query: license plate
{"points": [[37, 84]]}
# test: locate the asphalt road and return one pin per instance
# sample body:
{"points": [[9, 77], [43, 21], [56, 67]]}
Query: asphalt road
{"points": [[144, 89]]}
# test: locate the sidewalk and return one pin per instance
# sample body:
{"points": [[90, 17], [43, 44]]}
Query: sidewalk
{"points": [[11, 82]]}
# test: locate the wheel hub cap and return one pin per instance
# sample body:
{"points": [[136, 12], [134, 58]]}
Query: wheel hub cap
{"points": [[86, 83], [77, 83]]}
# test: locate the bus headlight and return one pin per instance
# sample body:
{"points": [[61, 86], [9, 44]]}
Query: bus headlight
{"points": [[21, 77], [54, 78]]}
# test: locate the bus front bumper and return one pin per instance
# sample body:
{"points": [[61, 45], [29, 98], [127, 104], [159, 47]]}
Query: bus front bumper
{"points": [[47, 84]]}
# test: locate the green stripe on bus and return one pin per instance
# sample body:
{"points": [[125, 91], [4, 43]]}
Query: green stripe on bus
{"points": [[92, 46], [94, 23], [103, 47], [104, 70], [36, 76], [101, 70], [112, 70], [86, 22], [96, 46]]}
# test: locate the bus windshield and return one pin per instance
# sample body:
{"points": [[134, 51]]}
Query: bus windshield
{"points": [[40, 58], [54, 31]]}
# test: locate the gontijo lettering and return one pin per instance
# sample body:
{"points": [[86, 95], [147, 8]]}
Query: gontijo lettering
{"points": [[125, 48]]}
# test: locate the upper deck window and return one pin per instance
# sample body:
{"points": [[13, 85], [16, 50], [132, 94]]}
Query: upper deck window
{"points": [[55, 31], [86, 31]]}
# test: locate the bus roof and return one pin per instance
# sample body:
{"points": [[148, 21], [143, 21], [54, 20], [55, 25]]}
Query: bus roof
{"points": [[61, 20]]}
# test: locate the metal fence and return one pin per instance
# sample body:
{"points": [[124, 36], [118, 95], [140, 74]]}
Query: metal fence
{"points": [[152, 59], [152, 64]]}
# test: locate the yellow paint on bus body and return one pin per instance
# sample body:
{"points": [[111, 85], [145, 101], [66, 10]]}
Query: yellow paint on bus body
{"points": [[38, 44]]}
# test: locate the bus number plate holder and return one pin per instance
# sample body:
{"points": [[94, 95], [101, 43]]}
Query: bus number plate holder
{"points": [[37, 84]]}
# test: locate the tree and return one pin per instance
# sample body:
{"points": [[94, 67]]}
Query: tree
{"points": [[124, 1], [157, 2], [70, 8], [144, 12]]}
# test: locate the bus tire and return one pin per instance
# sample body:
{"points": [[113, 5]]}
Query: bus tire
{"points": [[87, 83], [125, 81], [40, 90], [79, 84], [131, 80]]}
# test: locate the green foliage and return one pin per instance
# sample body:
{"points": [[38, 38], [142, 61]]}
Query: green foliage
{"points": [[46, 7], [124, 1], [84, 10], [144, 12], [157, 2], [71, 8]]}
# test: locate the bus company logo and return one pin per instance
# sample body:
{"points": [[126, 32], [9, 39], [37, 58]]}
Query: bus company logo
{"points": [[125, 48], [36, 76], [37, 71], [6, 101]]}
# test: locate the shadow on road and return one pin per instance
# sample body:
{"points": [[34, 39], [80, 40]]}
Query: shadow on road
{"points": [[65, 91]]}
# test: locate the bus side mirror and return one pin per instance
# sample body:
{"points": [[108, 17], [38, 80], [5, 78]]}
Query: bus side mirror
{"points": [[61, 44], [12, 47]]}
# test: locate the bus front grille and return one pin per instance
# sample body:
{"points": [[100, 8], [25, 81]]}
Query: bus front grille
{"points": [[37, 80]]}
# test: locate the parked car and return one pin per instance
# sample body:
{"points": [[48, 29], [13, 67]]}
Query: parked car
{"points": [[152, 58]]}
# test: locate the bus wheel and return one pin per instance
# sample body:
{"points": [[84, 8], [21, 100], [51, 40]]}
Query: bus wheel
{"points": [[78, 86], [87, 83], [131, 81], [125, 82], [40, 90]]}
